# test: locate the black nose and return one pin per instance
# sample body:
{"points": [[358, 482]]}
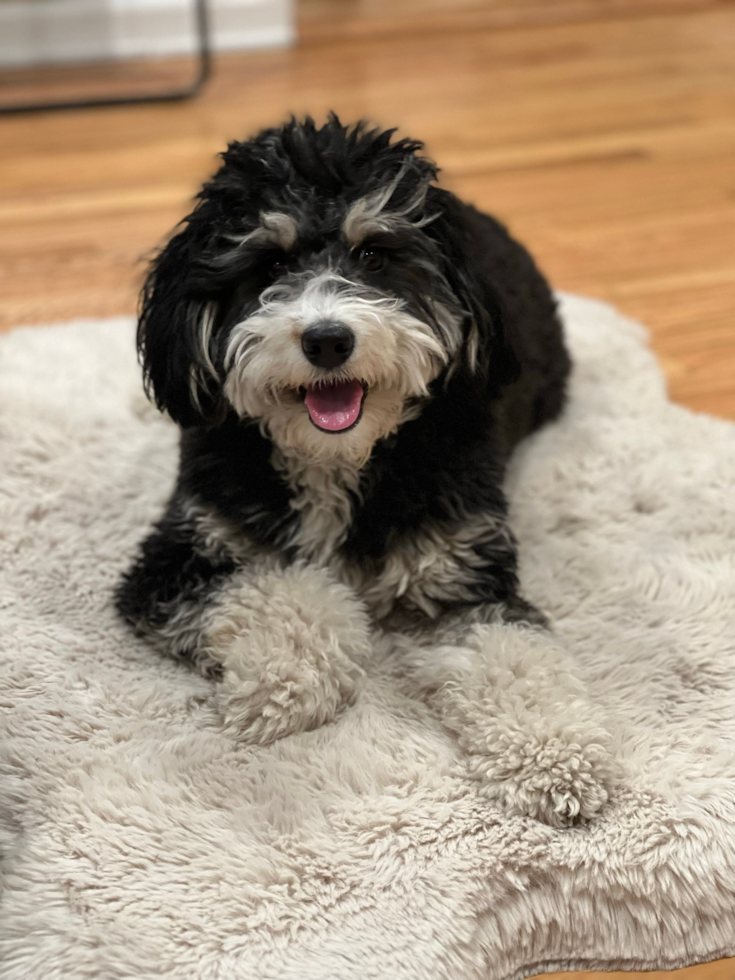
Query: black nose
{"points": [[327, 344]]}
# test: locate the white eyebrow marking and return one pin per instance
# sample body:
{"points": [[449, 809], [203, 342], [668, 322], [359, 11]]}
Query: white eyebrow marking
{"points": [[366, 215], [275, 228], [281, 227]]}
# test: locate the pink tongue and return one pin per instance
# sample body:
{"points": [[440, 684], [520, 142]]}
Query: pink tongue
{"points": [[336, 406]]}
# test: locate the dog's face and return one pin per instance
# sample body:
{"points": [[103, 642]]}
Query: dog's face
{"points": [[314, 290]]}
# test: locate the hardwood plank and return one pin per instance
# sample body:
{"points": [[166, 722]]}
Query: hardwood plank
{"points": [[329, 20], [718, 970]]}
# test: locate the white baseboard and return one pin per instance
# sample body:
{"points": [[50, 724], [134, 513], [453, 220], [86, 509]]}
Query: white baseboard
{"points": [[36, 32]]}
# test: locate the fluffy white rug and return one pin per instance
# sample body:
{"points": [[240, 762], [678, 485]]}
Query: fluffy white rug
{"points": [[140, 841]]}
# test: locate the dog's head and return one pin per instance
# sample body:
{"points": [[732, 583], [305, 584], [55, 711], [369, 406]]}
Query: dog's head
{"points": [[323, 287]]}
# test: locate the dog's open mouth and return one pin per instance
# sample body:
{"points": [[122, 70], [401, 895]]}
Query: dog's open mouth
{"points": [[335, 406]]}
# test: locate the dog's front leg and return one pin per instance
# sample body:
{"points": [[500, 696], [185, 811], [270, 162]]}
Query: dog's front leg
{"points": [[291, 643], [287, 643], [533, 738]]}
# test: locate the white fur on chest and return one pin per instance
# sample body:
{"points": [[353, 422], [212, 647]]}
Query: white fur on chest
{"points": [[435, 566], [323, 499]]}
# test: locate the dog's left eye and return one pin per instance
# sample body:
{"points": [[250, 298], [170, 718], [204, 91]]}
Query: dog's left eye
{"points": [[373, 259]]}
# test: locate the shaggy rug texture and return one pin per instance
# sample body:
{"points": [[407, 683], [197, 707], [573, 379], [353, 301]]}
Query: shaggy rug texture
{"points": [[140, 841]]}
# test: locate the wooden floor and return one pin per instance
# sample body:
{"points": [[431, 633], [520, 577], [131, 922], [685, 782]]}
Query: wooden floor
{"points": [[608, 144], [602, 131], [721, 970]]}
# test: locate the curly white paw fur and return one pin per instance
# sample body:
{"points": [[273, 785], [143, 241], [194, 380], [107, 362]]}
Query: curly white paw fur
{"points": [[554, 779], [533, 738], [291, 643]]}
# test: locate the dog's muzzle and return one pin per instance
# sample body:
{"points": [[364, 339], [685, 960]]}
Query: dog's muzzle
{"points": [[333, 406]]}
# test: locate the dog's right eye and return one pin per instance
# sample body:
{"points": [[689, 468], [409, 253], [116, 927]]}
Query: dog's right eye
{"points": [[373, 259], [277, 268]]}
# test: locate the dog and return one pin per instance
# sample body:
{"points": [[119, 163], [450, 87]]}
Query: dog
{"points": [[352, 353]]}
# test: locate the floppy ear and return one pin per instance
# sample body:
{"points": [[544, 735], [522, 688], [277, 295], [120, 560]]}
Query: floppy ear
{"points": [[472, 246], [175, 331]]}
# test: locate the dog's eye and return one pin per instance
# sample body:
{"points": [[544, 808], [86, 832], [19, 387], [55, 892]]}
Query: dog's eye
{"points": [[278, 269], [373, 259]]}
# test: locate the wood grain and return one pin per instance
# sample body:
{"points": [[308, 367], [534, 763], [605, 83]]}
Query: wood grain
{"points": [[600, 130], [719, 970], [336, 19]]}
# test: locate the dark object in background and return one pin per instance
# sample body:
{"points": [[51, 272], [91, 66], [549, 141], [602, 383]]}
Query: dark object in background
{"points": [[204, 68]]}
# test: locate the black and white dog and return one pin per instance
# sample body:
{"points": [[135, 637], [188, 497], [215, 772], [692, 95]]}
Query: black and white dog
{"points": [[352, 353]]}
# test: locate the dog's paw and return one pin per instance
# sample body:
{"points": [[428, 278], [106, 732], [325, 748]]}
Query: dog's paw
{"points": [[285, 692], [291, 643], [556, 780], [532, 736]]}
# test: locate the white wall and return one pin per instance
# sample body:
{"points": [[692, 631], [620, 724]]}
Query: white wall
{"points": [[53, 31]]}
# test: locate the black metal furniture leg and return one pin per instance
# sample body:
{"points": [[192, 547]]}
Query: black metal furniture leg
{"points": [[172, 95]]}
